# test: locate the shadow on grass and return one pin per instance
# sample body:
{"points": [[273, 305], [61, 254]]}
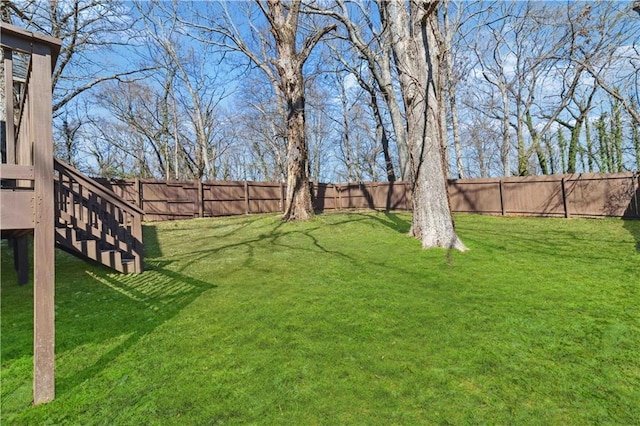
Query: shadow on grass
{"points": [[397, 223], [633, 226], [391, 220], [99, 314], [275, 237]]}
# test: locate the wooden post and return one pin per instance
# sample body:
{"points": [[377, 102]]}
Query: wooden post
{"points": [[501, 198], [40, 101], [246, 198], [564, 198], [282, 197], [136, 231], [139, 197], [636, 196], [200, 199], [339, 189]]}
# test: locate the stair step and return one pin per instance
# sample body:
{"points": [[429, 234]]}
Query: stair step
{"points": [[70, 238], [128, 266], [111, 258], [94, 224]]}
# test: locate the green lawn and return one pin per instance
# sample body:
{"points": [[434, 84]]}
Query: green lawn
{"points": [[341, 320]]}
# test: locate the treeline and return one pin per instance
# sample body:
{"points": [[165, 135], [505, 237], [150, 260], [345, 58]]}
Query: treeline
{"points": [[186, 90]]}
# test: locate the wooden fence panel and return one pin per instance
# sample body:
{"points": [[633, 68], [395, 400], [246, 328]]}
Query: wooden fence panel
{"points": [[325, 197], [125, 189], [615, 196], [533, 197], [468, 196], [590, 195], [169, 200], [264, 197], [355, 196], [224, 198]]}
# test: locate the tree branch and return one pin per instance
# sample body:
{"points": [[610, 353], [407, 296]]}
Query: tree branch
{"points": [[310, 42], [59, 104]]}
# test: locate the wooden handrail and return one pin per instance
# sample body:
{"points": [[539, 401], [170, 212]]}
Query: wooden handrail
{"points": [[95, 187]]}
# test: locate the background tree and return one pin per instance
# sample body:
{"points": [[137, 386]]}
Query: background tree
{"points": [[85, 27], [372, 42], [350, 62]]}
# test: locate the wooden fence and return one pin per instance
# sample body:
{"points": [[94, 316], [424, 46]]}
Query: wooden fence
{"points": [[587, 195]]}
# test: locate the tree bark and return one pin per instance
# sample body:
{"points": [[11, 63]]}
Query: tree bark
{"points": [[298, 204], [417, 59], [284, 28]]}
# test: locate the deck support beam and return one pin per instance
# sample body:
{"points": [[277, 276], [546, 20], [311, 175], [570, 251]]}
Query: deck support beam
{"points": [[30, 164], [44, 237]]}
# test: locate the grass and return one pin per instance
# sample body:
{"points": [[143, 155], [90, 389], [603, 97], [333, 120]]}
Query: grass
{"points": [[341, 320]]}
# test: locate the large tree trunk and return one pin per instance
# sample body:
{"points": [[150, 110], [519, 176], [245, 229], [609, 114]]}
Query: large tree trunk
{"points": [[298, 204], [283, 23], [417, 58]]}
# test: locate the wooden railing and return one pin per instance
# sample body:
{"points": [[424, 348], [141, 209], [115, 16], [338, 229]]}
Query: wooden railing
{"points": [[84, 206]]}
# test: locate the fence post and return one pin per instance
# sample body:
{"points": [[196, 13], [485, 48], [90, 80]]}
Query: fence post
{"points": [[282, 197], [407, 205], [335, 196], [564, 198], [501, 198], [636, 196], [139, 197], [200, 198], [246, 197]]}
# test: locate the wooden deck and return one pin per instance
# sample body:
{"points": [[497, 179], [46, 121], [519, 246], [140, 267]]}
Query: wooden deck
{"points": [[46, 199]]}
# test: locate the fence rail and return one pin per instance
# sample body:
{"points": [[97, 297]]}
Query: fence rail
{"points": [[576, 195]]}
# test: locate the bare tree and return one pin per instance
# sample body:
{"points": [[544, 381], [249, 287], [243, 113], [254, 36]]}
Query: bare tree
{"points": [[137, 111], [319, 128], [583, 105], [607, 46], [450, 80], [91, 32], [492, 60], [283, 24], [262, 126], [197, 86], [367, 82], [414, 27], [83, 26], [281, 58], [372, 42]]}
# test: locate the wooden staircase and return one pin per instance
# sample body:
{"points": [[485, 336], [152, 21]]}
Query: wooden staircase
{"points": [[93, 223]]}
